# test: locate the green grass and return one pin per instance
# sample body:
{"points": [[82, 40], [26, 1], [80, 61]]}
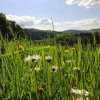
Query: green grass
{"points": [[19, 80]]}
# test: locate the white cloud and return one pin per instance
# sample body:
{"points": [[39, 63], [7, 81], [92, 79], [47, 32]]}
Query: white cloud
{"points": [[24, 21], [84, 3], [31, 22], [46, 23]]}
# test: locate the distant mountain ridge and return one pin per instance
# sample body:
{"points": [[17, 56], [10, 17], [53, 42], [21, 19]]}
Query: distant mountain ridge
{"points": [[81, 31], [71, 31], [95, 30]]}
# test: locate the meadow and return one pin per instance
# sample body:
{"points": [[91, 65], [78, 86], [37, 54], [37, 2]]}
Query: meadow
{"points": [[41, 71]]}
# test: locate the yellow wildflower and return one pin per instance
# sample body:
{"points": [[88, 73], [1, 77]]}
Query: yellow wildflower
{"points": [[20, 47], [66, 50]]}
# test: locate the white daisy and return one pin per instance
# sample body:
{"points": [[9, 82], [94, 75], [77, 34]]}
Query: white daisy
{"points": [[80, 92], [76, 69], [54, 68], [48, 58], [35, 58], [37, 69], [28, 58]]}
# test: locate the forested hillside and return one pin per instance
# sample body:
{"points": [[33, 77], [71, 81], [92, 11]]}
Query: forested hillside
{"points": [[35, 34], [9, 29], [71, 39]]}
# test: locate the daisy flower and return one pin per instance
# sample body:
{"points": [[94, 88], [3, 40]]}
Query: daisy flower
{"points": [[54, 68], [48, 58], [35, 58], [28, 58], [76, 69], [80, 92], [37, 69]]}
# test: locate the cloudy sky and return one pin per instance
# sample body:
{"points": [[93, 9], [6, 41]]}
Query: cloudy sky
{"points": [[66, 14]]}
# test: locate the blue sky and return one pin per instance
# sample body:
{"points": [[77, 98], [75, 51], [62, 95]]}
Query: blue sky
{"points": [[66, 14]]}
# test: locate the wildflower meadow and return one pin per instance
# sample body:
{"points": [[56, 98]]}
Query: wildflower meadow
{"points": [[35, 71]]}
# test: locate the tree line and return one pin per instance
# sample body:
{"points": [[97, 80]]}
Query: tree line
{"points": [[9, 29]]}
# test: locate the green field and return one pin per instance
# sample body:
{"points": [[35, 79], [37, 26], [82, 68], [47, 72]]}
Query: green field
{"points": [[49, 78]]}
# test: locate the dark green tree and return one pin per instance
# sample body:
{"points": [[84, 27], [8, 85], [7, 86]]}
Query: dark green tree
{"points": [[5, 27]]}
